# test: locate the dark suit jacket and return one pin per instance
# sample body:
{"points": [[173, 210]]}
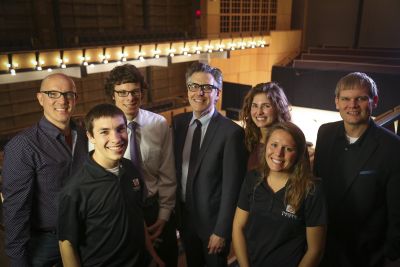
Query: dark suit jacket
{"points": [[218, 175], [364, 210]]}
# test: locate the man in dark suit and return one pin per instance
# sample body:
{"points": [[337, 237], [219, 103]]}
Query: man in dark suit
{"points": [[211, 164], [359, 164]]}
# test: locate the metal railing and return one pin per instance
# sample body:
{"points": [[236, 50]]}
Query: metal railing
{"points": [[390, 119]]}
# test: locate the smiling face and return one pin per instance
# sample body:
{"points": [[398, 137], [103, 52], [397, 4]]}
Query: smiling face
{"points": [[202, 102], [280, 153], [129, 104], [355, 106], [57, 111], [110, 139], [263, 113]]}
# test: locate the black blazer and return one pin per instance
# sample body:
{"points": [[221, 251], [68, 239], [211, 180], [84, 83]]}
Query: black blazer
{"points": [[364, 211], [218, 175]]}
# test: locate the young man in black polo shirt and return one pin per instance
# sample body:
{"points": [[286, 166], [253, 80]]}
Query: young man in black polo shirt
{"points": [[100, 213]]}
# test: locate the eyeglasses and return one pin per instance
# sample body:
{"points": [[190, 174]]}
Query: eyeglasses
{"points": [[57, 94], [206, 88], [125, 93]]}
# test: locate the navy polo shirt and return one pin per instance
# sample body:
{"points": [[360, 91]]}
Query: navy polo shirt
{"points": [[101, 215], [276, 236]]}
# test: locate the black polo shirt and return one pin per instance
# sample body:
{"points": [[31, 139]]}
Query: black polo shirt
{"points": [[275, 236], [101, 215], [346, 156]]}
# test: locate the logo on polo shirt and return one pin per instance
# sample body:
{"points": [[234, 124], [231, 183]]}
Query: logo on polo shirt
{"points": [[289, 212], [135, 184]]}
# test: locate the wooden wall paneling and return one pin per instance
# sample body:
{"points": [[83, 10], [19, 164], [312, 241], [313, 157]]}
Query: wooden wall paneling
{"points": [[6, 111], [4, 94], [24, 91], [24, 108], [177, 111], [27, 119], [6, 124], [167, 115]]}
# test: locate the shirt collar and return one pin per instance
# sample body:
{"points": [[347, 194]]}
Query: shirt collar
{"points": [[204, 119], [342, 133], [138, 119], [51, 129], [99, 171]]}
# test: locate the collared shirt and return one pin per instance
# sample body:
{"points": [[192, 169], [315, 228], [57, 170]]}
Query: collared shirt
{"points": [[157, 157], [205, 121], [37, 163], [158, 163], [104, 211], [276, 234]]}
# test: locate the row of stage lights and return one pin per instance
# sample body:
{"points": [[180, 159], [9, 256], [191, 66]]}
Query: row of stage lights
{"points": [[140, 55]]}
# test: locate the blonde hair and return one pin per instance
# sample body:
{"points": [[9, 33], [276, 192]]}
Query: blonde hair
{"points": [[301, 180]]}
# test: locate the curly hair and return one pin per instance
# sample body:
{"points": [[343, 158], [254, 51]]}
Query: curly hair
{"points": [[301, 180], [280, 105], [124, 74]]}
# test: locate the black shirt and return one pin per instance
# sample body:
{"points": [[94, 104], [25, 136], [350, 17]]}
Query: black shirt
{"points": [[276, 236], [101, 215]]}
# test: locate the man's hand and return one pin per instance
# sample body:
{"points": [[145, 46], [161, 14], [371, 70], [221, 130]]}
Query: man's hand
{"points": [[156, 229], [216, 244]]}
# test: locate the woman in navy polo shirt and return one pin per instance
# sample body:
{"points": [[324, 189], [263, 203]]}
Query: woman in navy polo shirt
{"points": [[281, 215]]}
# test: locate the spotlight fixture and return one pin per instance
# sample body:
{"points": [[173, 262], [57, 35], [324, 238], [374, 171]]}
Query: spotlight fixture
{"points": [[141, 54], [84, 59], [62, 61], [37, 63], [123, 55], [197, 48], [171, 51], [104, 57], [156, 52], [185, 50]]}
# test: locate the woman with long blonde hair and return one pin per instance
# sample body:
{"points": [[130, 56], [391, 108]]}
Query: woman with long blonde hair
{"points": [[280, 218]]}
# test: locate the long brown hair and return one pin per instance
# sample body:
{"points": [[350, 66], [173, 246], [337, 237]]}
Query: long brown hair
{"points": [[301, 180], [280, 105]]}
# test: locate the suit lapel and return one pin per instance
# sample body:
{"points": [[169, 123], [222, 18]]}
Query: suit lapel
{"points": [[367, 149], [328, 166]]}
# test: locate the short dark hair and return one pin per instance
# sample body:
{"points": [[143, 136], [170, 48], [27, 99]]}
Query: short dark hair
{"points": [[124, 74], [99, 111], [202, 67]]}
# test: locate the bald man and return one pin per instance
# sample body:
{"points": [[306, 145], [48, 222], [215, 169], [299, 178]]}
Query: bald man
{"points": [[37, 163]]}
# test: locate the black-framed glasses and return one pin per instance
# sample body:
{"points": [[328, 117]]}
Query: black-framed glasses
{"points": [[206, 88], [124, 93], [57, 94]]}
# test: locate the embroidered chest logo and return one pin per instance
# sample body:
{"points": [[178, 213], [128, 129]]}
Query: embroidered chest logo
{"points": [[289, 212], [135, 184]]}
